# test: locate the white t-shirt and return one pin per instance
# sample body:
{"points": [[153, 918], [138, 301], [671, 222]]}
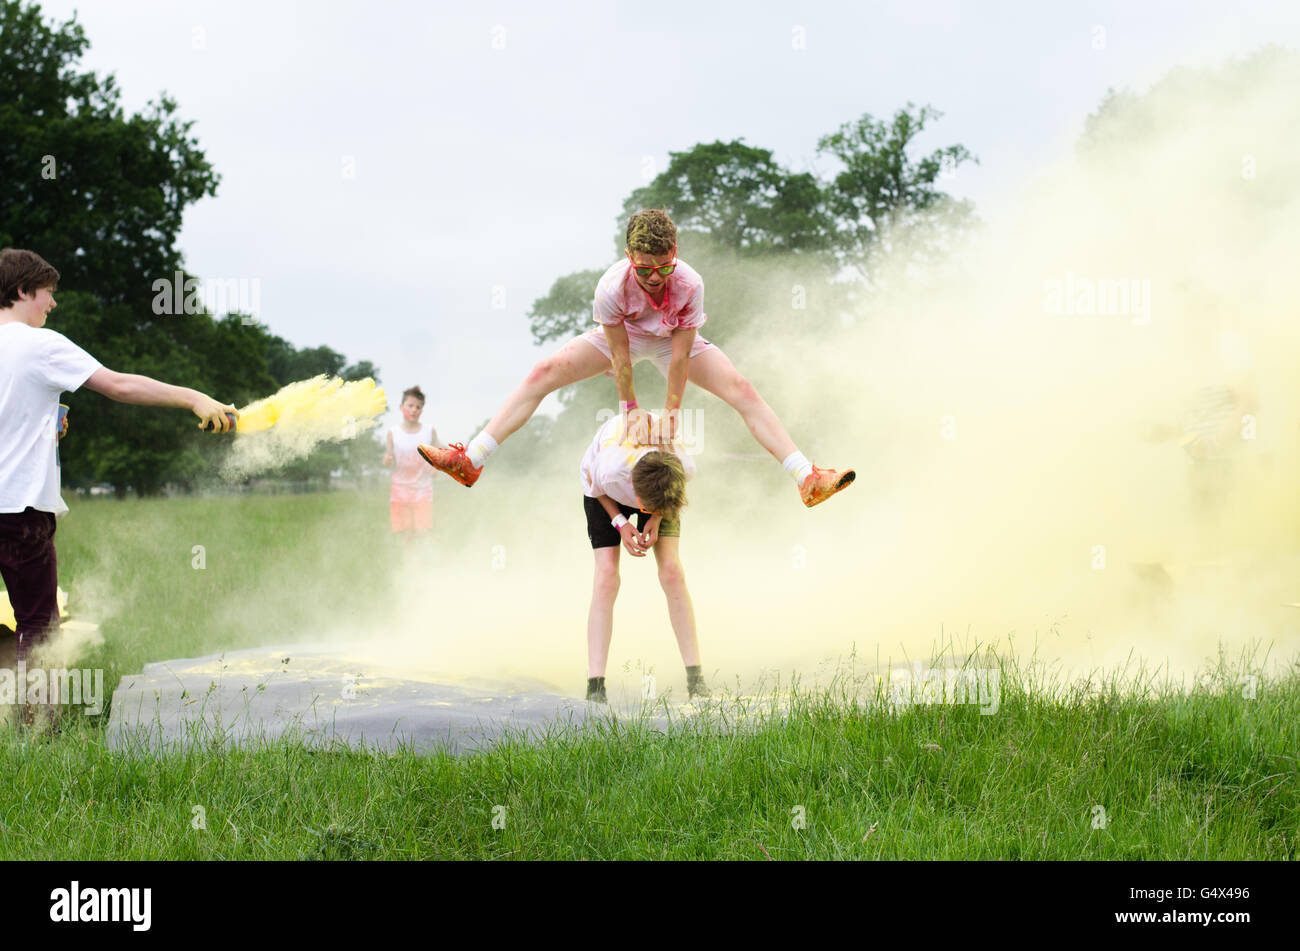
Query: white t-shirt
{"points": [[36, 365], [607, 467]]}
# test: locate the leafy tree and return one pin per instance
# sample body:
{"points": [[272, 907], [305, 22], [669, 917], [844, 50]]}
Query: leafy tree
{"points": [[101, 195], [737, 212], [566, 310], [883, 200], [359, 371], [739, 196], [288, 364], [767, 239], [771, 243]]}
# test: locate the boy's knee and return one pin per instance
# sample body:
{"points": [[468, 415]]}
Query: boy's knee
{"points": [[542, 374], [607, 582], [743, 392], [671, 574]]}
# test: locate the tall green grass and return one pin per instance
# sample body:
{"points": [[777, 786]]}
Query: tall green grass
{"points": [[1122, 767]]}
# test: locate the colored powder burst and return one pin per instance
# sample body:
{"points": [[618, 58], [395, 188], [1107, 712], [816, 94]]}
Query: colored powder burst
{"points": [[288, 425]]}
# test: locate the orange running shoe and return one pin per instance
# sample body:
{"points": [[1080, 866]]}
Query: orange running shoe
{"points": [[452, 461], [822, 484]]}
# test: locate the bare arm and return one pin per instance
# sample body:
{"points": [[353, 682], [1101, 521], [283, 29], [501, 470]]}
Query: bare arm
{"points": [[650, 536], [609, 505], [683, 341], [389, 457], [146, 391], [620, 355], [679, 363]]}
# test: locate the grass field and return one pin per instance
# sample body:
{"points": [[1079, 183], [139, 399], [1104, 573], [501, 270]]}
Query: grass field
{"points": [[1086, 771]]}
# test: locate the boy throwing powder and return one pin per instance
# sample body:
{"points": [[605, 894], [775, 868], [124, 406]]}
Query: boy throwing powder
{"points": [[36, 365], [620, 479]]}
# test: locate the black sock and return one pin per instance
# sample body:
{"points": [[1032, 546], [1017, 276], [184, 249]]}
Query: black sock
{"points": [[595, 683], [695, 672]]}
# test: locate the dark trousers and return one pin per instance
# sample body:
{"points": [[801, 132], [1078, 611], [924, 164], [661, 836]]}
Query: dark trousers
{"points": [[31, 576]]}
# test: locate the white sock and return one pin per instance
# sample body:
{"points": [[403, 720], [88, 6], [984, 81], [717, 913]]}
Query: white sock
{"points": [[480, 447], [797, 465]]}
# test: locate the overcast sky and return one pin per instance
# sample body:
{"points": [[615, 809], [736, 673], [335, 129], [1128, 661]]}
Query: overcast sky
{"points": [[386, 165]]}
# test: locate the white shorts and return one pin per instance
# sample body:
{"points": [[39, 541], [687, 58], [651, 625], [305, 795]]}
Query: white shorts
{"points": [[658, 350]]}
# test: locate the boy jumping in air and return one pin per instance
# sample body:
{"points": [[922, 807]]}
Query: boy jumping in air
{"points": [[36, 365], [650, 307], [619, 479]]}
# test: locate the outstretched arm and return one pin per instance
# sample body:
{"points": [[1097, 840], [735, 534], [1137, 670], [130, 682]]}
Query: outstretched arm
{"points": [[146, 391]]}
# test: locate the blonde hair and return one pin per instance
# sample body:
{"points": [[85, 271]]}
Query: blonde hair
{"points": [[651, 231]]}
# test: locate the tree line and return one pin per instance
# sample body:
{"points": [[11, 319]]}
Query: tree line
{"points": [[101, 194]]}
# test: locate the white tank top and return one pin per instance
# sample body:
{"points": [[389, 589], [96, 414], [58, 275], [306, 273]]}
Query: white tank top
{"points": [[412, 476]]}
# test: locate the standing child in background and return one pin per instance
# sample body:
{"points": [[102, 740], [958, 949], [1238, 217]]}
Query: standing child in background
{"points": [[411, 500], [621, 478]]}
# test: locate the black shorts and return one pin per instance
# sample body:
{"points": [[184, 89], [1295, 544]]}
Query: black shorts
{"points": [[604, 535]]}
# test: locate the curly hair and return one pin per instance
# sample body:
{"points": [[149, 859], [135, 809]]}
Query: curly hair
{"points": [[660, 483], [26, 272], [651, 231]]}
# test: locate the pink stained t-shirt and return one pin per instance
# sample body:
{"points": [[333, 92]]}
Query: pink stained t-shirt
{"points": [[621, 300], [607, 467], [412, 476]]}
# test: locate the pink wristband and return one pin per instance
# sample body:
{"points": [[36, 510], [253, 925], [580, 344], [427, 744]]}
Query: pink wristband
{"points": [[623, 407]]}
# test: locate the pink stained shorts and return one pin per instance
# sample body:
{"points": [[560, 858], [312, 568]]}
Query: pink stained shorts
{"points": [[411, 516], [658, 350]]}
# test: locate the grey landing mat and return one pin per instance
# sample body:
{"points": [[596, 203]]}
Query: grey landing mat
{"points": [[320, 697]]}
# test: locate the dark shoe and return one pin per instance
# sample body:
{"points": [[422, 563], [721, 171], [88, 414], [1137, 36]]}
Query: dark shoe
{"points": [[597, 694]]}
